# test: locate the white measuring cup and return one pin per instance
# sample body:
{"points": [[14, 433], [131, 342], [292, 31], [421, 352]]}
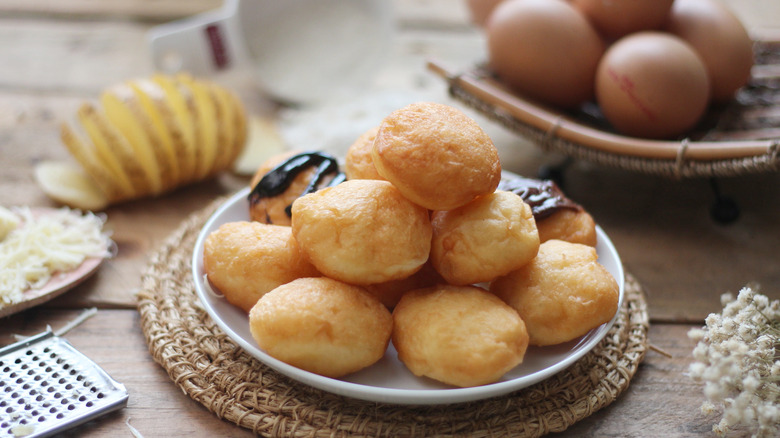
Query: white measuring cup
{"points": [[298, 51]]}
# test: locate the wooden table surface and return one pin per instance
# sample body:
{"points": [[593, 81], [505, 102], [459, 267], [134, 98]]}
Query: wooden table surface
{"points": [[56, 54]]}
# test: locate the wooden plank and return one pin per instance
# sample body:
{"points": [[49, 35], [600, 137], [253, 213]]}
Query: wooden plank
{"points": [[661, 400], [69, 56], [665, 235], [415, 13], [155, 10], [156, 407], [432, 14], [113, 339]]}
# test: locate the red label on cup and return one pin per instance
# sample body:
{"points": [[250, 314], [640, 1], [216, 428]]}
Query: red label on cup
{"points": [[218, 49]]}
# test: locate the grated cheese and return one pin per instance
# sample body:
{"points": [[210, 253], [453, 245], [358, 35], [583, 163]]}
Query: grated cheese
{"points": [[8, 222], [44, 245]]}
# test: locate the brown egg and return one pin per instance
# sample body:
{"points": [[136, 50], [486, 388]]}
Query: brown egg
{"points": [[616, 18], [719, 38], [545, 50], [652, 85]]}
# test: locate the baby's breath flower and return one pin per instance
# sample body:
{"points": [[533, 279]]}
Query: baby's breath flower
{"points": [[707, 408], [751, 383], [696, 370], [713, 320], [735, 358], [700, 353], [714, 391], [729, 324], [760, 301], [696, 334], [765, 342], [768, 414], [747, 332], [745, 296]]}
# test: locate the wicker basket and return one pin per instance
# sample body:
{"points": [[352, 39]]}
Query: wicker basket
{"points": [[739, 138]]}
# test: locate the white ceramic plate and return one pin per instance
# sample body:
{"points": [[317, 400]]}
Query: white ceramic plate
{"points": [[388, 381]]}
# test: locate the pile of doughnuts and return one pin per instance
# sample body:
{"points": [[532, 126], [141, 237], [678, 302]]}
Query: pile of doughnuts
{"points": [[419, 241]]}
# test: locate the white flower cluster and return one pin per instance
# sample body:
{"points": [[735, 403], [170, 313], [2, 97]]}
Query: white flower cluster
{"points": [[736, 357]]}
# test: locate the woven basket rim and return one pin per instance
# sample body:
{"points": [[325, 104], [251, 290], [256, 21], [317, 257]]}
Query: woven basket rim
{"points": [[556, 131], [211, 369]]}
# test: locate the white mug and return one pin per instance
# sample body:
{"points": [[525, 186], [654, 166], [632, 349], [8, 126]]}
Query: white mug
{"points": [[299, 51]]}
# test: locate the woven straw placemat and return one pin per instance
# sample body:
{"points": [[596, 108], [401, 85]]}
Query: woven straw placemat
{"points": [[213, 370]]}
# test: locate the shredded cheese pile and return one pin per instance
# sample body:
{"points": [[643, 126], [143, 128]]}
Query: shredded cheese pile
{"points": [[37, 247]]}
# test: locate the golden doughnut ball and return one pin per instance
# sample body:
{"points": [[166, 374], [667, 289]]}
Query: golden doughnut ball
{"points": [[303, 170], [358, 162], [459, 335], [272, 210], [569, 225], [390, 292], [245, 260], [488, 237], [362, 232], [561, 294], [436, 155], [322, 325]]}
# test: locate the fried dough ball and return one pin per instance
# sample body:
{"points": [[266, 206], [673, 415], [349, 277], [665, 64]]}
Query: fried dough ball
{"points": [[390, 292], [358, 163], [362, 232], [488, 237], [459, 335], [570, 225], [436, 155], [285, 177], [561, 294], [557, 216], [322, 325], [271, 211], [245, 260]]}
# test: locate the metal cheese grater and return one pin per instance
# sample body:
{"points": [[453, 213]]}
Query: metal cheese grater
{"points": [[47, 386]]}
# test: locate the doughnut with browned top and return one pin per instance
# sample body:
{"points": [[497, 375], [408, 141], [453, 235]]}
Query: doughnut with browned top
{"points": [[563, 293], [390, 292], [488, 237], [358, 163], [322, 325], [362, 231], [436, 155], [283, 178], [557, 216], [569, 225], [245, 260], [459, 335]]}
